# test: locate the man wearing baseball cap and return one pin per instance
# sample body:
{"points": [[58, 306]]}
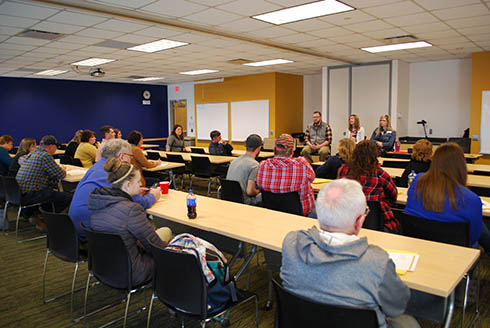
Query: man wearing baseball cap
{"points": [[244, 170], [284, 173]]}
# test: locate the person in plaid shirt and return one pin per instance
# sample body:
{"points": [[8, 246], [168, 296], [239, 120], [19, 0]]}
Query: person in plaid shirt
{"points": [[37, 177], [318, 137], [376, 183], [284, 173]]}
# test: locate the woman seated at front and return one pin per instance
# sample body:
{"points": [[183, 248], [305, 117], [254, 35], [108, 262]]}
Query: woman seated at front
{"points": [[384, 135], [376, 183], [86, 150], [330, 168], [420, 162], [114, 211], [440, 194], [175, 141]]}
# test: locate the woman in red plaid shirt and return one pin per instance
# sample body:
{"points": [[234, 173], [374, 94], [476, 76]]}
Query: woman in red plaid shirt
{"points": [[376, 183]]}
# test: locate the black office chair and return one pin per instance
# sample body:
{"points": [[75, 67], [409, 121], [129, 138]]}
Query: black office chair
{"points": [[109, 263], [153, 155], [294, 311], [65, 159], [480, 191], [179, 283], [395, 155], [197, 150], [202, 168], [285, 202], [455, 233], [231, 191], [76, 162], [396, 164], [179, 171], [478, 172], [62, 242], [13, 196], [374, 220]]}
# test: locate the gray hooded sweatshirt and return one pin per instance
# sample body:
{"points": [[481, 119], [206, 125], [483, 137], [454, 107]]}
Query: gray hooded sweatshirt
{"points": [[352, 274]]}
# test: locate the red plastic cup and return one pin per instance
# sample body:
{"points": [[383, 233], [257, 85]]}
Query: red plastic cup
{"points": [[164, 187], [142, 148]]}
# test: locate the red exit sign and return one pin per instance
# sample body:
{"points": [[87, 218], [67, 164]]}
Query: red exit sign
{"points": [[177, 88]]}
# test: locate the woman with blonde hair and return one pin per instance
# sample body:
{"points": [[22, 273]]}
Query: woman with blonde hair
{"points": [[420, 162], [72, 146], [26, 146], [114, 211], [384, 135], [440, 194], [354, 129], [330, 168]]}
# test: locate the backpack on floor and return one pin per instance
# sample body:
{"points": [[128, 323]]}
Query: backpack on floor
{"points": [[221, 286]]}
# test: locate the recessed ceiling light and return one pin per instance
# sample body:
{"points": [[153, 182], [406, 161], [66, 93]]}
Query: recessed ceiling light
{"points": [[93, 62], [269, 62], [200, 71], [50, 72], [145, 79], [399, 46], [310, 10], [158, 45]]}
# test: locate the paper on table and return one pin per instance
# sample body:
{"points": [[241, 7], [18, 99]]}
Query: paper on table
{"points": [[320, 180], [404, 261], [75, 172], [485, 205]]}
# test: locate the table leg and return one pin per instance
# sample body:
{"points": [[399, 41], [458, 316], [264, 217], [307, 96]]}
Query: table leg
{"points": [[449, 311]]}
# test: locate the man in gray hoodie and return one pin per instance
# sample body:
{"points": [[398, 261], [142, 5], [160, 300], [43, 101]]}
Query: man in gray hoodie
{"points": [[333, 265]]}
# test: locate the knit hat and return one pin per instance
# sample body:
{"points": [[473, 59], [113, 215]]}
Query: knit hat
{"points": [[253, 141], [285, 141]]}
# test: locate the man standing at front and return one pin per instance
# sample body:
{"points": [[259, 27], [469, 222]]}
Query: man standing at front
{"points": [[318, 137], [333, 265], [284, 173]]}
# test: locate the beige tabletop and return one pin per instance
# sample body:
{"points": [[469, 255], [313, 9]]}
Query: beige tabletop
{"points": [[478, 167], [239, 152], [149, 146], [212, 158], [59, 152], [165, 166], [74, 173], [380, 160], [440, 268]]}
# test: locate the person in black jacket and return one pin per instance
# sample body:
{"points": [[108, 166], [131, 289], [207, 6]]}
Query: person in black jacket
{"points": [[420, 162], [329, 169], [72, 146]]}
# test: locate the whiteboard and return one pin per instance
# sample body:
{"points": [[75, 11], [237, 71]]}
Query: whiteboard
{"points": [[209, 117], [485, 123], [249, 117]]}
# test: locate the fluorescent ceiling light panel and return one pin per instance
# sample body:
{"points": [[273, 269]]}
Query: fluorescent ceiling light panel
{"points": [[310, 10], [51, 72], [145, 79], [200, 71], [269, 62], [158, 46], [399, 46], [93, 62]]}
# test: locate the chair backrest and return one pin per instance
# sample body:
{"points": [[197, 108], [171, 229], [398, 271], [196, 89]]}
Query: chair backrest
{"points": [[288, 202], [478, 172], [179, 282], [375, 219], [153, 155], [456, 233], [395, 155], [201, 166], [108, 258], [396, 164], [76, 162], [197, 150], [175, 158], [62, 237], [65, 159], [12, 190], [295, 311], [465, 143], [480, 191], [2, 190], [231, 191]]}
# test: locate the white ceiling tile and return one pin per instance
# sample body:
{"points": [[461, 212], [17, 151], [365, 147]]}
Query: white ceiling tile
{"points": [[16, 46], [315, 43], [159, 32], [120, 26], [136, 39], [6, 30], [375, 25], [244, 25], [349, 17], [17, 21], [360, 4], [272, 32], [441, 40], [479, 37], [28, 41], [461, 12], [81, 39], [98, 33], [25, 10], [415, 19], [385, 33], [307, 25], [394, 9], [212, 17], [47, 52], [249, 7], [289, 3], [439, 4], [472, 30], [345, 39], [438, 35], [133, 4], [470, 21], [193, 37], [295, 38], [69, 17], [57, 27], [172, 8], [329, 32], [433, 27], [64, 45]]}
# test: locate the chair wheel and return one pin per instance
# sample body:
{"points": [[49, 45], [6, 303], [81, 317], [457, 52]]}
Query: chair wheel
{"points": [[268, 305]]}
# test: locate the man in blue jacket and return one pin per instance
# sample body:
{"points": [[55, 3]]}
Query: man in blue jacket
{"points": [[96, 177]]}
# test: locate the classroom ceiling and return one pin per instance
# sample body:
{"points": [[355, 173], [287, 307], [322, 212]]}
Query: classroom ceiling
{"points": [[222, 30]]}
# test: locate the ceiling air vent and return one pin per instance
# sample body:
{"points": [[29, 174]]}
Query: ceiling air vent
{"points": [[43, 35], [400, 39], [239, 61]]}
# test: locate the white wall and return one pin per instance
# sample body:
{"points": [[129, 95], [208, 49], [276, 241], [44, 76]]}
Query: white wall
{"points": [[399, 97], [312, 97], [439, 93], [186, 91]]}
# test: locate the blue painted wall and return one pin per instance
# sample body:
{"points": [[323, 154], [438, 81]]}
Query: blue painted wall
{"points": [[36, 107]]}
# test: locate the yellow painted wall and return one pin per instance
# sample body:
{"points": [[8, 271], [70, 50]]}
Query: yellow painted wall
{"points": [[480, 80], [278, 88]]}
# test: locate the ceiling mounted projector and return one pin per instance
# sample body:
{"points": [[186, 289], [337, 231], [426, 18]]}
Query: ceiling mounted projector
{"points": [[97, 72]]}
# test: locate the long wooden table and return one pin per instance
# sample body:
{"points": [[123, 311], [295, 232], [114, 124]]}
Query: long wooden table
{"points": [[238, 152], [187, 157], [440, 268]]}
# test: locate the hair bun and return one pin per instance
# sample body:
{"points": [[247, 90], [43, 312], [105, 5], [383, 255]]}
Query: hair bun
{"points": [[112, 165]]}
